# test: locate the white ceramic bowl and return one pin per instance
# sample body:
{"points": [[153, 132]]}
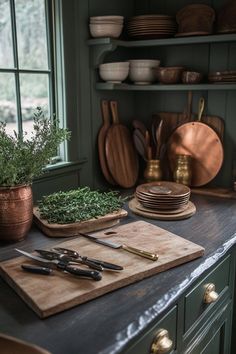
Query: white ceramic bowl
{"points": [[107, 19], [105, 30], [142, 63], [141, 75], [115, 65], [114, 75]]}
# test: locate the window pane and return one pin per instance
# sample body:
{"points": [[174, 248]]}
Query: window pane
{"points": [[34, 90], [31, 34], [8, 101], [6, 48]]}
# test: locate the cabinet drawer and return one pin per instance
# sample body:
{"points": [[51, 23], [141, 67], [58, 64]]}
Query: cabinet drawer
{"points": [[144, 344], [195, 303]]}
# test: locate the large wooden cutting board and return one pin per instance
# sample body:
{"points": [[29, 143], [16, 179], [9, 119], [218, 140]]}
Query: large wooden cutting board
{"points": [[48, 295]]}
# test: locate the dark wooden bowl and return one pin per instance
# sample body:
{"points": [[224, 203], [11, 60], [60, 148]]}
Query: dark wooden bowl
{"points": [[169, 75], [195, 18]]}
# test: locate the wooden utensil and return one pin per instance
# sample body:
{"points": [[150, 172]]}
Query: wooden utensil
{"points": [[141, 149], [137, 124], [101, 141], [202, 143], [121, 156]]}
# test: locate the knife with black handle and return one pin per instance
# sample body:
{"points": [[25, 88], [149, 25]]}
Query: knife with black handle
{"points": [[50, 255], [92, 274], [75, 255], [37, 269]]}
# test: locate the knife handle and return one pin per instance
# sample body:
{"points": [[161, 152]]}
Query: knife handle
{"points": [[93, 274], [37, 269], [91, 264], [145, 254]]}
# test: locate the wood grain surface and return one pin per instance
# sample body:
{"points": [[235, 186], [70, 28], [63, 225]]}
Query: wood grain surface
{"points": [[184, 212], [121, 156], [101, 141], [48, 295], [68, 230]]}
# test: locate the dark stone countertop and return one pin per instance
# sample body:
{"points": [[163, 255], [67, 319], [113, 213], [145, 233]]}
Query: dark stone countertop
{"points": [[105, 325]]}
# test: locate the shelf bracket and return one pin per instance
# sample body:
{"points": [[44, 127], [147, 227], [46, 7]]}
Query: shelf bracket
{"points": [[99, 53]]}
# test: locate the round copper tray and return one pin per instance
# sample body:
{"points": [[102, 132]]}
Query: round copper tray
{"points": [[204, 146], [176, 189]]}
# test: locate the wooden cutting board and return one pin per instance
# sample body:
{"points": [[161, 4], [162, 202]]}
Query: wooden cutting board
{"points": [[122, 159], [101, 142], [48, 295], [68, 230]]}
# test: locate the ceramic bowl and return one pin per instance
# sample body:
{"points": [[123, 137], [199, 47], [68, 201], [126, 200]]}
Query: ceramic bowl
{"points": [[114, 76], [143, 63], [191, 77], [141, 75], [169, 75], [101, 19], [99, 30], [115, 65]]}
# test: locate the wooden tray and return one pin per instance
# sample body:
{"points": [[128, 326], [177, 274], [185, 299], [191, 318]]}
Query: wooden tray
{"points": [[68, 230], [12, 345], [48, 295]]}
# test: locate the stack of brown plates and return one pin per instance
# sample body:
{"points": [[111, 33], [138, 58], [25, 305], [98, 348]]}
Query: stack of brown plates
{"points": [[163, 196], [151, 27], [222, 77]]}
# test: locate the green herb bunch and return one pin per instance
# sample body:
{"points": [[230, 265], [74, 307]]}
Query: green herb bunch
{"points": [[78, 205], [22, 158]]}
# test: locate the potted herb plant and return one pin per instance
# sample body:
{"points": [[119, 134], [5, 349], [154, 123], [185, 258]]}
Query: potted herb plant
{"points": [[22, 158]]}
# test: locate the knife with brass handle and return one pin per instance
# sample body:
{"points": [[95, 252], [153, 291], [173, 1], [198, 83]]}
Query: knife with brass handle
{"points": [[116, 245]]}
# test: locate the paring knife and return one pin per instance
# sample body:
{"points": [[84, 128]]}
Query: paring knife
{"points": [[50, 255], [64, 266], [142, 253], [75, 255]]}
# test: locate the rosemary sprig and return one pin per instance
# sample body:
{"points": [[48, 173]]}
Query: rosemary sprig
{"points": [[78, 205]]}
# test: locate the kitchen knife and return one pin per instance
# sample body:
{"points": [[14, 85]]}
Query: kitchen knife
{"points": [[37, 269], [75, 255], [50, 255], [64, 266], [116, 245]]}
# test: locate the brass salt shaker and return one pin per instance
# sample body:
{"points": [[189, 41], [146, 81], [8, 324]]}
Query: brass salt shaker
{"points": [[182, 173], [153, 171]]}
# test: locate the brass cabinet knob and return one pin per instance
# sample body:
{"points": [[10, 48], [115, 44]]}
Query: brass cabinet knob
{"points": [[162, 343], [210, 294]]}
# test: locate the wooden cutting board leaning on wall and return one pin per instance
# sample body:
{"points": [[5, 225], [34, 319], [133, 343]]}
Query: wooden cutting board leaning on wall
{"points": [[48, 295]]}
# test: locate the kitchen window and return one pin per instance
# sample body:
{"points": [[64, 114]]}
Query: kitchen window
{"points": [[30, 62]]}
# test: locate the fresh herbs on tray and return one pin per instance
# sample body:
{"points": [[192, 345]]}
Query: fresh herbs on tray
{"points": [[78, 205]]}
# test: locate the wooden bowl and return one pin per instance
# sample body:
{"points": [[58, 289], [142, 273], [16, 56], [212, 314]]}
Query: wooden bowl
{"points": [[195, 18], [169, 75], [191, 77]]}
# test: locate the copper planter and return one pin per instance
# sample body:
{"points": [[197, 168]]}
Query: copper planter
{"points": [[16, 212]]}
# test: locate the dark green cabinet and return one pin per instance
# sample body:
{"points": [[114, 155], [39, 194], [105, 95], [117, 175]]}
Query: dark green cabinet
{"points": [[194, 326]]}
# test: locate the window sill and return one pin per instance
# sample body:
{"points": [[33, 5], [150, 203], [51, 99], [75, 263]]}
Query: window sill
{"points": [[60, 168]]}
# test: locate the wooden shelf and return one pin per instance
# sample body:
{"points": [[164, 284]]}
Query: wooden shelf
{"points": [[159, 87], [215, 38]]}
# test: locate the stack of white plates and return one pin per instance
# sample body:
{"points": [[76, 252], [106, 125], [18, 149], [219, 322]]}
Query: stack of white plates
{"points": [[151, 27], [106, 26]]}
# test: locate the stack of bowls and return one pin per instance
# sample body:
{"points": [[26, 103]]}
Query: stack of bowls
{"points": [[106, 26], [141, 71], [114, 73]]}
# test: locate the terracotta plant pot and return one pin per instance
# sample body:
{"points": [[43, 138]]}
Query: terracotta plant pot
{"points": [[16, 212]]}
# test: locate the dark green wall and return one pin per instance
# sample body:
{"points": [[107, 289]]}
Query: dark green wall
{"points": [[83, 100]]}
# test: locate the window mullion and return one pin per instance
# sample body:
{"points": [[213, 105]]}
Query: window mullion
{"points": [[16, 64]]}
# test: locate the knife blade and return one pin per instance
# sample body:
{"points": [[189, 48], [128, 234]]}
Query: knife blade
{"points": [[75, 255], [50, 255], [116, 245], [95, 275]]}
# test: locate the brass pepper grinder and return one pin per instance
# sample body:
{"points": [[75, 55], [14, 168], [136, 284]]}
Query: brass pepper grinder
{"points": [[182, 173]]}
